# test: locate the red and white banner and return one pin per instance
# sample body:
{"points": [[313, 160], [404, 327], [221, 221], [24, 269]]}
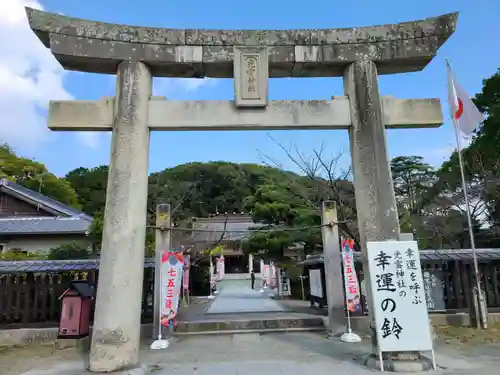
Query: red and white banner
{"points": [[273, 276], [463, 111], [221, 267], [352, 291], [266, 275], [172, 265], [187, 266]]}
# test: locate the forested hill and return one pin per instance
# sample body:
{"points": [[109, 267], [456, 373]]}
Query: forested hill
{"points": [[198, 189]]}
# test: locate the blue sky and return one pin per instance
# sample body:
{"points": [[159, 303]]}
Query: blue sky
{"points": [[473, 52]]}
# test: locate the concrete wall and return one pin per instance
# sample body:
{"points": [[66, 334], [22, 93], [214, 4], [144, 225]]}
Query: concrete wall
{"points": [[36, 243]]}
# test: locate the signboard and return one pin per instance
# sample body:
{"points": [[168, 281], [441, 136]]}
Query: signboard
{"points": [[284, 289], [397, 287], [434, 289], [316, 288], [172, 264], [272, 280], [352, 290]]}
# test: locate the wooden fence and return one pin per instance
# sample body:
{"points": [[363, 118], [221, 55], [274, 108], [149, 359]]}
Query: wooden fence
{"points": [[29, 294], [31, 299], [457, 282]]}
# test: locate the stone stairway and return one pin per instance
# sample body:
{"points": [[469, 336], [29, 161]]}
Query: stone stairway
{"points": [[239, 309]]}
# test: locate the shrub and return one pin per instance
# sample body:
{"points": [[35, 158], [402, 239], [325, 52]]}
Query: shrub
{"points": [[18, 254], [75, 250]]}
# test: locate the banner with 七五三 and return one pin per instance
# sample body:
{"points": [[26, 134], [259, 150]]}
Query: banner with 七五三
{"points": [[172, 264]]}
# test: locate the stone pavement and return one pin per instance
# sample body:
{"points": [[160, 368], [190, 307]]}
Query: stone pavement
{"points": [[236, 296], [265, 354]]}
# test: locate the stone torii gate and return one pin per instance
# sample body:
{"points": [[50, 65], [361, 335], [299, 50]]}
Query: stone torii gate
{"points": [[136, 54]]}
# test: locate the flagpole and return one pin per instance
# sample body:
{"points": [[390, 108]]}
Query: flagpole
{"points": [[467, 206]]}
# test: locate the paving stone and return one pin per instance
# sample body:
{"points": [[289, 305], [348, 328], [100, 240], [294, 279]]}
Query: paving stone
{"points": [[236, 296]]}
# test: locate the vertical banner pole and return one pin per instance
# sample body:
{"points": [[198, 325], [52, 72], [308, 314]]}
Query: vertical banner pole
{"points": [[163, 241], [333, 268], [351, 289]]}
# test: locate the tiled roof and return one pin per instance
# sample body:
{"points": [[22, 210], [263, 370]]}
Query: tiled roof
{"points": [[68, 220], [56, 265], [237, 228], [442, 255], [9, 186], [43, 225]]}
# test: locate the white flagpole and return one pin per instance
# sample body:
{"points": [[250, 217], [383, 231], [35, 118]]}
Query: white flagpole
{"points": [[467, 204]]}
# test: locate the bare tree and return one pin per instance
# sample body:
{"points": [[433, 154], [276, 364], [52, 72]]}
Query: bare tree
{"points": [[327, 181]]}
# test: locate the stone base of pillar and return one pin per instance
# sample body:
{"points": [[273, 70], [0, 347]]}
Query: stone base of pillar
{"points": [[400, 362], [338, 328]]}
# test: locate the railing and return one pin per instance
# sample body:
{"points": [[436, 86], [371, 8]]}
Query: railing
{"points": [[30, 290]]}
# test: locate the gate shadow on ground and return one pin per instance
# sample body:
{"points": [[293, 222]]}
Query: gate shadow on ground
{"points": [[319, 343]]}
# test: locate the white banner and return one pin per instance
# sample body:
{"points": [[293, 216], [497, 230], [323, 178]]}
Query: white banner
{"points": [[221, 268], [398, 294], [172, 266], [272, 281]]}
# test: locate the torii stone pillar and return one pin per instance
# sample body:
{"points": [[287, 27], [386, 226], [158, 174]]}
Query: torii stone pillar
{"points": [[136, 54], [117, 322], [373, 186]]}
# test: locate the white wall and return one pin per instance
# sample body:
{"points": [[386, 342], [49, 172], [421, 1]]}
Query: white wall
{"points": [[40, 244]]}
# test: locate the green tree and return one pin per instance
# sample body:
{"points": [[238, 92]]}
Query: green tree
{"points": [[90, 185], [482, 174], [482, 156], [413, 179], [35, 176], [275, 206], [95, 232]]}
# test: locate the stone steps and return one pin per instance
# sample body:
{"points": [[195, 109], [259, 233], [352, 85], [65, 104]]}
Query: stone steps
{"points": [[249, 324]]}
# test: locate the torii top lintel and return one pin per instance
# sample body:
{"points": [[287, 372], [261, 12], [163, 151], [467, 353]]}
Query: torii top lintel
{"points": [[99, 47]]}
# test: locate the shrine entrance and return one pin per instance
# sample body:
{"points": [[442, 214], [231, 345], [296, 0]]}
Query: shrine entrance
{"points": [[136, 54]]}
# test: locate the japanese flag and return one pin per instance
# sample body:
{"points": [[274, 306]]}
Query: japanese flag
{"points": [[463, 111]]}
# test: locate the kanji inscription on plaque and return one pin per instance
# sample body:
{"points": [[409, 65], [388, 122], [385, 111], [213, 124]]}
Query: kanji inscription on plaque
{"points": [[251, 74]]}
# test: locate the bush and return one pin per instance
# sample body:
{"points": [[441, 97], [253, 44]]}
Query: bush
{"points": [[69, 251], [17, 254]]}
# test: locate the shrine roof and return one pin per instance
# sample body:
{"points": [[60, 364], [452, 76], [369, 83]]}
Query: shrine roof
{"points": [[99, 47]]}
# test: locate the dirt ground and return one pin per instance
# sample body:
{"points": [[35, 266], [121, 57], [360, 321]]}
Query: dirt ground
{"points": [[464, 335], [16, 360]]}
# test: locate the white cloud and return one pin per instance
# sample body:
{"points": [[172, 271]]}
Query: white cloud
{"points": [[170, 87], [29, 78]]}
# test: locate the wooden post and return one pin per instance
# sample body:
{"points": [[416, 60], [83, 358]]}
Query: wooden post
{"points": [[335, 298], [163, 241]]}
